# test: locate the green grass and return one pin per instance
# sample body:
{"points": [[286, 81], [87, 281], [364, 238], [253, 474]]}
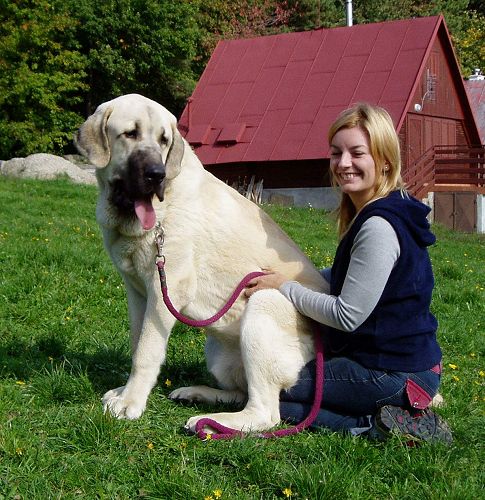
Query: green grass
{"points": [[64, 342]]}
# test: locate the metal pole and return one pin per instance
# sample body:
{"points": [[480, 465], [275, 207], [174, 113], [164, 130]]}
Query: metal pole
{"points": [[348, 12]]}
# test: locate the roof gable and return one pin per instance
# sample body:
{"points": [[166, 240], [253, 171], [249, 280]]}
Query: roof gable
{"points": [[273, 98], [476, 93]]}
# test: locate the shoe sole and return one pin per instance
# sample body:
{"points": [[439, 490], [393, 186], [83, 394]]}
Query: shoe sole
{"points": [[429, 427]]}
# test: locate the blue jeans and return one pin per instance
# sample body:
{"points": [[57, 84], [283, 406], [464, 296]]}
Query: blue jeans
{"points": [[352, 394]]}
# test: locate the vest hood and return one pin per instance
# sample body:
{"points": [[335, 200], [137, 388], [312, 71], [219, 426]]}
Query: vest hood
{"points": [[411, 212]]}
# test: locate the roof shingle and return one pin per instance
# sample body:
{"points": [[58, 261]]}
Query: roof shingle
{"points": [[274, 97]]}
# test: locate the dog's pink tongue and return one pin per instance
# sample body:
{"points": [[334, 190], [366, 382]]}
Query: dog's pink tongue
{"points": [[145, 213]]}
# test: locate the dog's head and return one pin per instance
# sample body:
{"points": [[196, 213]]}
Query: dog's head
{"points": [[136, 147]]}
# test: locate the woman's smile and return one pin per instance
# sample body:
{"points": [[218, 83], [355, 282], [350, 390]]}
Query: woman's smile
{"points": [[352, 165], [347, 176]]}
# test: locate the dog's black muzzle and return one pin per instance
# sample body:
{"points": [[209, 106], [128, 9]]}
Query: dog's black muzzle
{"points": [[143, 178]]}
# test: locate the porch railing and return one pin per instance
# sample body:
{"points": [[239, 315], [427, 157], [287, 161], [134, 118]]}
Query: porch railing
{"points": [[446, 167]]}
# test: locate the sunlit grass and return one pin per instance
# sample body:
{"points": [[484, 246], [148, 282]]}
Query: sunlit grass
{"points": [[64, 342]]}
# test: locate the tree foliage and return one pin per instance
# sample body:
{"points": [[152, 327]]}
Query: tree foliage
{"points": [[230, 19], [143, 46], [41, 78], [60, 58], [470, 42]]}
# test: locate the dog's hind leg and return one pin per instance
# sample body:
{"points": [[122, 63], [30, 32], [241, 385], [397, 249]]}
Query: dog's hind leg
{"points": [[225, 364], [207, 395], [274, 347]]}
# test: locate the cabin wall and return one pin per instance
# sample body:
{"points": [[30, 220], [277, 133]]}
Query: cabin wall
{"points": [[435, 115]]}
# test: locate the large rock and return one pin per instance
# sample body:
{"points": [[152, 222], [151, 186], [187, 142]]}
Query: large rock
{"points": [[46, 166]]}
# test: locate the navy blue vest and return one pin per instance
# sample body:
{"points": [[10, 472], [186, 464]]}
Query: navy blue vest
{"points": [[400, 333]]}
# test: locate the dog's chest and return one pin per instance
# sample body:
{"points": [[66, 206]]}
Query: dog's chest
{"points": [[133, 257]]}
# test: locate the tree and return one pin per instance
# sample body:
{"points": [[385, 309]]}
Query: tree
{"points": [[469, 42], [313, 14], [41, 78], [142, 46], [59, 59], [229, 19]]}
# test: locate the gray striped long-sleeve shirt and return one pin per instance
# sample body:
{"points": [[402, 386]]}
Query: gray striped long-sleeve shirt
{"points": [[373, 256]]}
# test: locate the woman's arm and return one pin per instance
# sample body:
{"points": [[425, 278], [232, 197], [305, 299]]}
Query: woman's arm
{"points": [[373, 256]]}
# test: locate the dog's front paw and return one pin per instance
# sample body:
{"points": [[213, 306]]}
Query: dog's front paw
{"points": [[121, 405]]}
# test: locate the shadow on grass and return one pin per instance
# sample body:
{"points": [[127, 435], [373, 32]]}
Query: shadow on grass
{"points": [[48, 359]]}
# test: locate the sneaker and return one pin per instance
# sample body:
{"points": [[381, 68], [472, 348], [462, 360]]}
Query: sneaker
{"points": [[421, 426]]}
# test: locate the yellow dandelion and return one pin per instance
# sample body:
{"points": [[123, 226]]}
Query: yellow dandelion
{"points": [[472, 355], [20, 382], [168, 382], [209, 497], [19, 451], [452, 366], [217, 493], [287, 492], [208, 437], [481, 373], [150, 445], [455, 378]]}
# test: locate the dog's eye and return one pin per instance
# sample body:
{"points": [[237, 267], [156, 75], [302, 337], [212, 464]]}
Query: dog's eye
{"points": [[131, 134], [163, 139]]}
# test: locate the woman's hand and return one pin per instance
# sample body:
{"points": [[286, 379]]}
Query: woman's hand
{"points": [[271, 279]]}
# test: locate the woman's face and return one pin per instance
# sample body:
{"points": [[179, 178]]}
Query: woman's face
{"points": [[352, 165]]}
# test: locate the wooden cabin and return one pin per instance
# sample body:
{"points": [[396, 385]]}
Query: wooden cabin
{"points": [[263, 106]]}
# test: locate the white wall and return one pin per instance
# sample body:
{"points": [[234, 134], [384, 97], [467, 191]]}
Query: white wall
{"points": [[480, 213]]}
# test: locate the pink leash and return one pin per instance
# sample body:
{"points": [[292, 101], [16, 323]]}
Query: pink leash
{"points": [[223, 431], [212, 319]]}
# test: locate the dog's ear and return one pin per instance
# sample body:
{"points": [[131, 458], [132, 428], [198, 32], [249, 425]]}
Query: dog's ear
{"points": [[173, 163], [91, 139]]}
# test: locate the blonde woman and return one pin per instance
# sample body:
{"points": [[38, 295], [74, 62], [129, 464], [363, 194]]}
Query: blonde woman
{"points": [[383, 360]]}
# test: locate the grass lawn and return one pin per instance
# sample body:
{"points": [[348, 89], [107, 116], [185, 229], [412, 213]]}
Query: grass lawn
{"points": [[64, 342]]}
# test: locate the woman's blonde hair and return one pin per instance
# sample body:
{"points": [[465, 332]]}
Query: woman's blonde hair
{"points": [[376, 123]]}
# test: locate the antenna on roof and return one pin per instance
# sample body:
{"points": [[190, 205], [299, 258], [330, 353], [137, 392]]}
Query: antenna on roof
{"points": [[477, 75], [348, 12]]}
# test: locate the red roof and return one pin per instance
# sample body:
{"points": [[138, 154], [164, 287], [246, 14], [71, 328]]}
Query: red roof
{"points": [[476, 93], [273, 98]]}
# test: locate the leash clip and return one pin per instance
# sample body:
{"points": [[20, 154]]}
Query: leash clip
{"points": [[159, 240]]}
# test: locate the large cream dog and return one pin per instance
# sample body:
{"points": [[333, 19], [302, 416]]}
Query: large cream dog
{"points": [[213, 237]]}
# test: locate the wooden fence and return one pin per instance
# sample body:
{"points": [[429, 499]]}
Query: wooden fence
{"points": [[447, 168]]}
